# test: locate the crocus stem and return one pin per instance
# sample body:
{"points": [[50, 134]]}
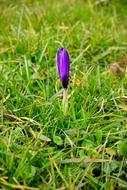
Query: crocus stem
{"points": [[65, 101]]}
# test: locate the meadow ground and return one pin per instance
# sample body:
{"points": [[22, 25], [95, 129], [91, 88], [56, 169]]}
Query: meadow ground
{"points": [[40, 147]]}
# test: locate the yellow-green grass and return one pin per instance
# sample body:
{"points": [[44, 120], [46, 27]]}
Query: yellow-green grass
{"points": [[40, 147]]}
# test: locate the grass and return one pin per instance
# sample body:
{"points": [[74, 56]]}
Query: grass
{"points": [[40, 147]]}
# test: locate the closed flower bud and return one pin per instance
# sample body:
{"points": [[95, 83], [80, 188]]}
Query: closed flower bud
{"points": [[63, 65]]}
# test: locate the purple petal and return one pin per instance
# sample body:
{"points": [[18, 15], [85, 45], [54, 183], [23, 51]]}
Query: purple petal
{"points": [[63, 65]]}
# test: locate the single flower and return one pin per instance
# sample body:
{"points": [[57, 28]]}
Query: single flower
{"points": [[63, 65]]}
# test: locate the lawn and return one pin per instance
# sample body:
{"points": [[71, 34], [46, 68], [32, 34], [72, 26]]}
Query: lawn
{"points": [[41, 147]]}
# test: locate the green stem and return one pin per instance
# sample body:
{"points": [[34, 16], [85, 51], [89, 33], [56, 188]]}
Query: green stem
{"points": [[65, 101]]}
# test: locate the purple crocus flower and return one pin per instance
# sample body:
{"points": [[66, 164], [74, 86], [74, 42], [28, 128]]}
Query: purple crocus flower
{"points": [[63, 65]]}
